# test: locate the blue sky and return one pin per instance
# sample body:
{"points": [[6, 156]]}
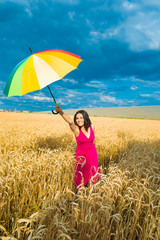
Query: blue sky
{"points": [[118, 40]]}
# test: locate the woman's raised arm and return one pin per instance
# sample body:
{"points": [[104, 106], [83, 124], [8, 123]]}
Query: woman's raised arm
{"points": [[73, 127]]}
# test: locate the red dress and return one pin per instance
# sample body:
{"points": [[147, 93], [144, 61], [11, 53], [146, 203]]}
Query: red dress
{"points": [[86, 169]]}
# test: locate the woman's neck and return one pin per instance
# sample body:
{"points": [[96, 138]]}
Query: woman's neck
{"points": [[83, 129]]}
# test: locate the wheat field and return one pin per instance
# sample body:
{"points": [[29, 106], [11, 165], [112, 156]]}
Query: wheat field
{"points": [[37, 194]]}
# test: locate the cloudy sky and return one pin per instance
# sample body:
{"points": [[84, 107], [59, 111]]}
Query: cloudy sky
{"points": [[118, 40]]}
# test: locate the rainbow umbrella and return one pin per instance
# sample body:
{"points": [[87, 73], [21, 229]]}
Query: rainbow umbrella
{"points": [[39, 70]]}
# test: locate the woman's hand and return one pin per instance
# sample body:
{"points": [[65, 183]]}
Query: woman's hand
{"points": [[58, 109]]}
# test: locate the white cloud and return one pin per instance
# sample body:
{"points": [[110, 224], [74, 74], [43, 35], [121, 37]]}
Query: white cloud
{"points": [[91, 106], [72, 15], [155, 96], [70, 95], [146, 83], [134, 79], [26, 2], [95, 81], [70, 80], [140, 27], [89, 23], [2, 84], [129, 6], [41, 99], [5, 97], [99, 86], [152, 84], [146, 95], [133, 88], [104, 34], [155, 3], [70, 2], [141, 30], [110, 99], [62, 102], [23, 2], [29, 12], [94, 94]]}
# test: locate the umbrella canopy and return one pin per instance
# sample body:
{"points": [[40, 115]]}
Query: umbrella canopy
{"points": [[39, 70]]}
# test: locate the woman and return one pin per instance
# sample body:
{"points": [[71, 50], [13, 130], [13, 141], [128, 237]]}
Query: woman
{"points": [[86, 170]]}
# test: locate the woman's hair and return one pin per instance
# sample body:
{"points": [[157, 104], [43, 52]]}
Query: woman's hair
{"points": [[87, 121]]}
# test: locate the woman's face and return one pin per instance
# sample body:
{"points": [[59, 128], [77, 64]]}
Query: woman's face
{"points": [[80, 120]]}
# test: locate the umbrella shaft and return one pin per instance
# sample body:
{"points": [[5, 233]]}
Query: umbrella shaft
{"points": [[52, 94], [30, 50]]}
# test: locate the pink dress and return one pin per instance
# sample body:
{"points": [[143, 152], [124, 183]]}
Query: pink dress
{"points": [[86, 169]]}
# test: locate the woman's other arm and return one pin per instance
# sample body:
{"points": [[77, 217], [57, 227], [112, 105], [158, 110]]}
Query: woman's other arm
{"points": [[73, 127]]}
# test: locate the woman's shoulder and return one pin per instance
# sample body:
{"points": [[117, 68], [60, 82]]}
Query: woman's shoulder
{"points": [[92, 126]]}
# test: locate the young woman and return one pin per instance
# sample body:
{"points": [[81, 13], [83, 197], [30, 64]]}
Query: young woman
{"points": [[86, 170]]}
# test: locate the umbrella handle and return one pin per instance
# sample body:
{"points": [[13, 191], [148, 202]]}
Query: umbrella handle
{"points": [[54, 112], [53, 100]]}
